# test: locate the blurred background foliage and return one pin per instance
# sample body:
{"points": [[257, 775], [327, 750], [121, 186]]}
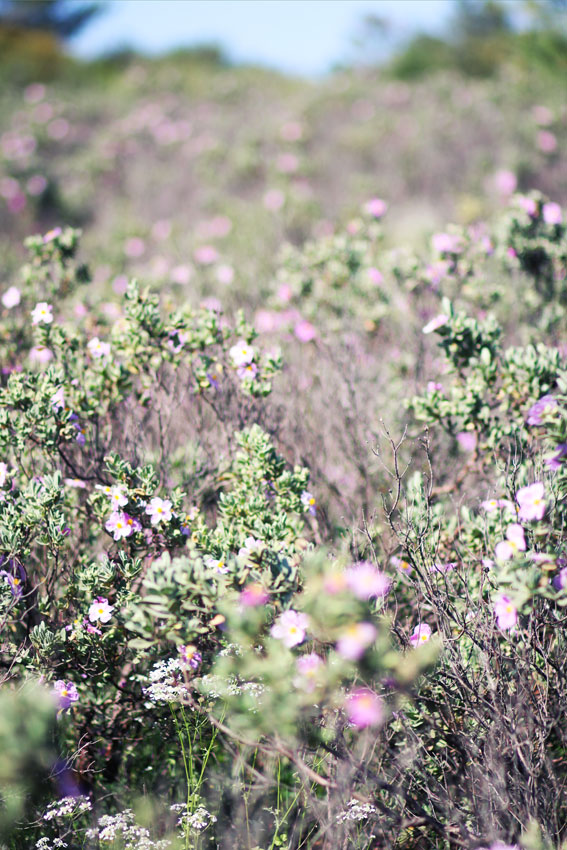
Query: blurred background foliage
{"points": [[483, 36]]}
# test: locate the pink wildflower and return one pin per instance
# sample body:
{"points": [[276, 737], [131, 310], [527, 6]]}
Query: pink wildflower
{"points": [[253, 595], [530, 500], [121, 524], [364, 708], [365, 581], [159, 510], [308, 667], [435, 324], [290, 627], [515, 542], [552, 213], [100, 610], [376, 207], [354, 641], [421, 634], [506, 612]]}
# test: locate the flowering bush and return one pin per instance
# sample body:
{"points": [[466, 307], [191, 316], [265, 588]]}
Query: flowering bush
{"points": [[257, 600]]}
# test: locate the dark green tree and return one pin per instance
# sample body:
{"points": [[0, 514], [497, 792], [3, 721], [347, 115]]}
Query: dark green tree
{"points": [[61, 18]]}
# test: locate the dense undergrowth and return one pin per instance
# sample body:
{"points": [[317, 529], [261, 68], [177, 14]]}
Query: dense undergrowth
{"points": [[282, 491]]}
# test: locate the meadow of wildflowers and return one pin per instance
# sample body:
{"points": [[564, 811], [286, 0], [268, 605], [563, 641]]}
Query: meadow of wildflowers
{"points": [[283, 462]]}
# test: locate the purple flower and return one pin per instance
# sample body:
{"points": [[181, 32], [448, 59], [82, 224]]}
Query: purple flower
{"points": [[541, 407], [443, 568], [434, 387], [506, 612], [404, 567], [190, 656], [65, 693], [364, 708], [505, 182], [530, 500], [15, 575], [14, 582], [248, 370], [365, 581], [308, 500], [560, 580], [554, 462], [159, 510]]}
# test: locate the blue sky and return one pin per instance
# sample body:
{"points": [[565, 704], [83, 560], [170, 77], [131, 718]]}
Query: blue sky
{"points": [[296, 36]]}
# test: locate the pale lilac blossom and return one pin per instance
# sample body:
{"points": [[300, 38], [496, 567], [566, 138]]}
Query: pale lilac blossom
{"points": [[375, 275], [308, 667], [491, 505], [290, 628], [447, 243], [100, 610], [554, 461], [58, 399], [159, 510], [249, 370], [98, 349], [118, 497], [528, 205], [251, 548], [65, 693], [11, 298], [241, 354], [404, 567], [546, 141], [190, 656], [536, 412], [219, 565], [42, 312], [309, 501], [305, 331]]}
